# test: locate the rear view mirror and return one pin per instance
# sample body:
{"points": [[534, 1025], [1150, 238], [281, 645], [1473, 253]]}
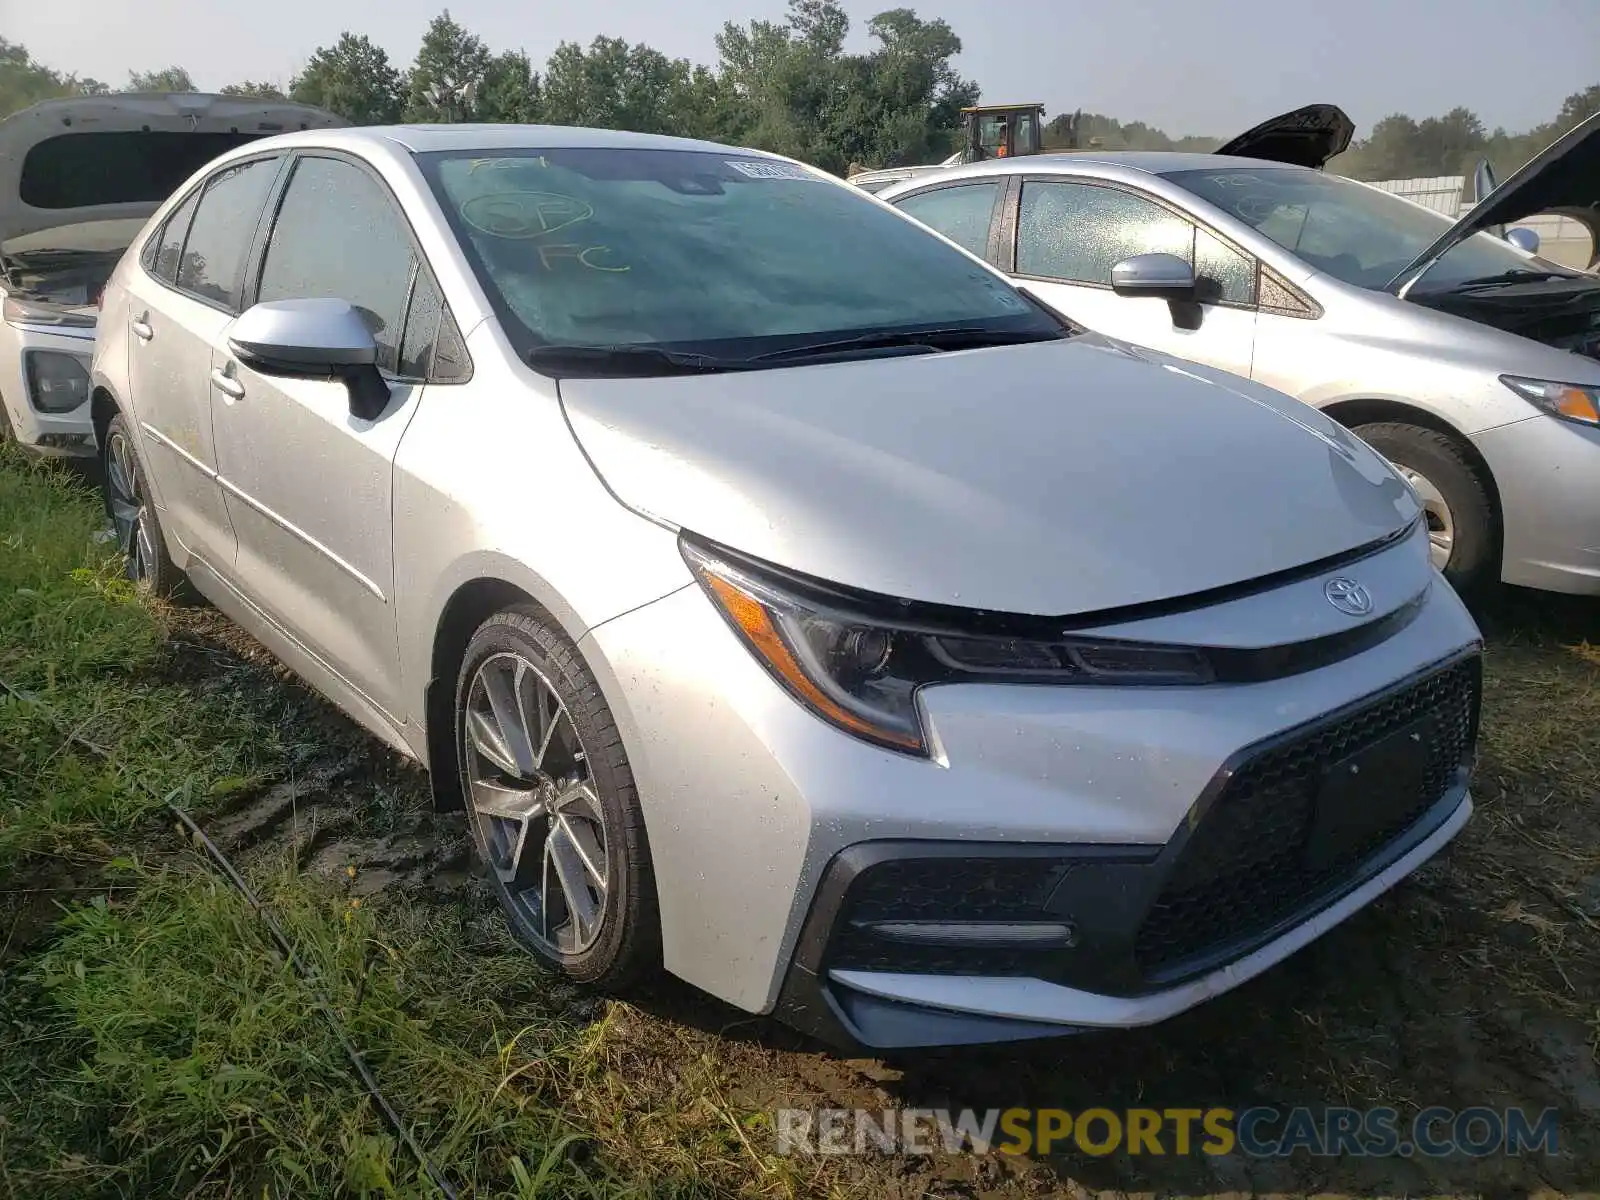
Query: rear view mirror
{"points": [[1163, 276], [1523, 239], [313, 339]]}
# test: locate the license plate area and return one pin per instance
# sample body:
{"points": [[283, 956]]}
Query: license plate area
{"points": [[1368, 792]]}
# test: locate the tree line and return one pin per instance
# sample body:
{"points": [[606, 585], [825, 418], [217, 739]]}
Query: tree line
{"points": [[787, 86]]}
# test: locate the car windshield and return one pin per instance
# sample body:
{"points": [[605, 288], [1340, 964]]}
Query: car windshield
{"points": [[1359, 234], [704, 252]]}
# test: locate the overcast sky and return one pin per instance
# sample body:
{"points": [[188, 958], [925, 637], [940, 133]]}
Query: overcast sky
{"points": [[1186, 66]]}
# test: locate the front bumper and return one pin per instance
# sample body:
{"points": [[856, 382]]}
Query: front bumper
{"points": [[942, 943], [862, 1010], [1548, 475], [751, 804]]}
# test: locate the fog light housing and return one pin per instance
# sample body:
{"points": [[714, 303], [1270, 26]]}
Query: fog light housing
{"points": [[57, 383]]}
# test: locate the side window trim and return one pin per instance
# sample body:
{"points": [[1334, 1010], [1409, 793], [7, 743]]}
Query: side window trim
{"points": [[1138, 194], [200, 193], [419, 274], [1003, 244], [256, 255], [257, 260]]}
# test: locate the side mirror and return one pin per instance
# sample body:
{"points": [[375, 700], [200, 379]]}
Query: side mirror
{"points": [[1523, 239], [1164, 276], [313, 339]]}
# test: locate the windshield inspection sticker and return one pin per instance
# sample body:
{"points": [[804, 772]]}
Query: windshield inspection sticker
{"points": [[768, 170]]}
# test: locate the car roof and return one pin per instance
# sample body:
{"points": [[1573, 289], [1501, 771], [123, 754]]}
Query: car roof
{"points": [[1125, 162], [423, 139], [1151, 162]]}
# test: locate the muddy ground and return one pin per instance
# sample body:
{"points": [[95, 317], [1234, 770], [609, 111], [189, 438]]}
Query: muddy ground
{"points": [[1475, 983]]}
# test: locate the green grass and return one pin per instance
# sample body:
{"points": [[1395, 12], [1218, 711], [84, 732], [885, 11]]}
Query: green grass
{"points": [[153, 1042], [190, 1060], [74, 635]]}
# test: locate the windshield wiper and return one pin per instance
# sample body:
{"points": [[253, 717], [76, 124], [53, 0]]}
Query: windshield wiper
{"points": [[629, 360], [1508, 278], [932, 339]]}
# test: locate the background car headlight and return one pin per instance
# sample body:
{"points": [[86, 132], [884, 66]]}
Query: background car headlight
{"points": [[57, 383], [857, 661], [1578, 402]]}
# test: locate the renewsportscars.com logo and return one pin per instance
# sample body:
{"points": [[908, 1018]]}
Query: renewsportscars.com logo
{"points": [[1260, 1132]]}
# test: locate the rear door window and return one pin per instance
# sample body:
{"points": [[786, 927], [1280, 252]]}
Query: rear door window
{"points": [[962, 213], [223, 227]]}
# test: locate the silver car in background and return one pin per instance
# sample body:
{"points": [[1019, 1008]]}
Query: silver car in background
{"points": [[78, 180], [1465, 359], [787, 598]]}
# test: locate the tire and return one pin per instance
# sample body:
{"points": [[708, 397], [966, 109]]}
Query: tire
{"points": [[126, 493], [1460, 508], [583, 774]]}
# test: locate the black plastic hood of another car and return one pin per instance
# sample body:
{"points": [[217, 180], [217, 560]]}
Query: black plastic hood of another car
{"points": [[1306, 137]]}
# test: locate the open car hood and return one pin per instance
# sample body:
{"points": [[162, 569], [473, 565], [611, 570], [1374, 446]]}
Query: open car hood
{"points": [[1306, 137], [117, 157], [1562, 178]]}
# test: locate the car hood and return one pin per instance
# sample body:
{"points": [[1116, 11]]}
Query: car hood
{"points": [[1306, 137], [118, 156], [1562, 178], [1055, 478]]}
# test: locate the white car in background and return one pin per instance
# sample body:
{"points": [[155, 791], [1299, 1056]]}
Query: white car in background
{"points": [[1466, 360], [78, 179]]}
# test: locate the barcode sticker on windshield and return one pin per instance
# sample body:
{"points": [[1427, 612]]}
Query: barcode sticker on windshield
{"points": [[768, 170]]}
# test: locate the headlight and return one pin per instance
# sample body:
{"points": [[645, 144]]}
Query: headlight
{"points": [[857, 661], [42, 312], [1579, 402], [57, 383]]}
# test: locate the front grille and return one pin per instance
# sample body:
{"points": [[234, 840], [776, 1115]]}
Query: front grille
{"points": [[1245, 868]]}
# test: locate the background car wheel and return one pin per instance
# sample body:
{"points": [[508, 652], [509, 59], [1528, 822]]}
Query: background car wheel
{"points": [[551, 801], [1460, 512], [133, 516]]}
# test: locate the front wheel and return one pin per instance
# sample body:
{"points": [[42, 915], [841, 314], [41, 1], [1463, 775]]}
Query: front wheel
{"points": [[551, 800], [1456, 500]]}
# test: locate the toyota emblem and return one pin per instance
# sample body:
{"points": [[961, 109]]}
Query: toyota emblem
{"points": [[1348, 596]]}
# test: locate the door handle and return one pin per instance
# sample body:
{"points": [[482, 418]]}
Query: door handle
{"points": [[227, 384], [141, 328]]}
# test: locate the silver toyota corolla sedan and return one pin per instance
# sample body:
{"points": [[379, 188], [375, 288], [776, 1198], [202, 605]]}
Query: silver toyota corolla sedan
{"points": [[789, 600], [1467, 361]]}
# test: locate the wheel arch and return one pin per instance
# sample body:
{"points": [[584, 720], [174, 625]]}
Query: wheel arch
{"points": [[103, 407], [1361, 410], [469, 606]]}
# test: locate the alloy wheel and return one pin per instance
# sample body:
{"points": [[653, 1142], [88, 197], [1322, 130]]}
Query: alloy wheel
{"points": [[130, 514], [540, 823], [1441, 525]]}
